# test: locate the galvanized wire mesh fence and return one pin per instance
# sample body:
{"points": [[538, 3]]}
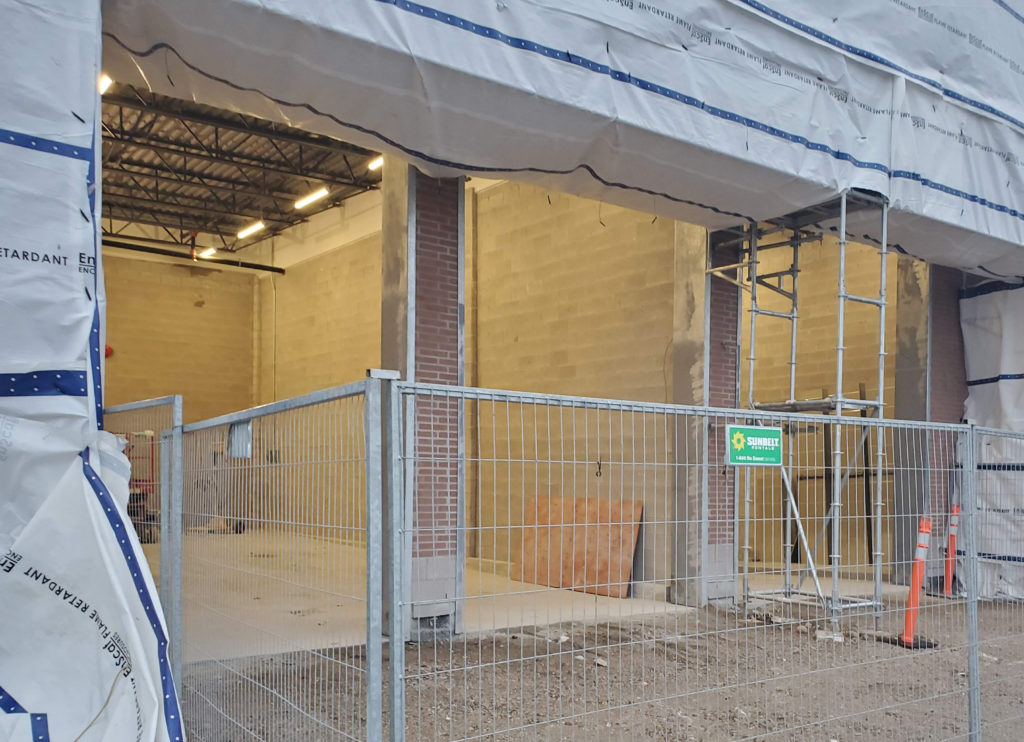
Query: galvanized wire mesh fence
{"points": [[142, 424], [1000, 567], [592, 569], [152, 431], [567, 568], [280, 506]]}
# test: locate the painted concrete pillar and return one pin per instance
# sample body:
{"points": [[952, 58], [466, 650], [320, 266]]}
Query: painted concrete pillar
{"points": [[931, 385], [422, 318], [705, 348]]}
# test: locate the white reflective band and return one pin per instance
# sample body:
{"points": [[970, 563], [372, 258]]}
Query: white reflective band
{"points": [[922, 546]]}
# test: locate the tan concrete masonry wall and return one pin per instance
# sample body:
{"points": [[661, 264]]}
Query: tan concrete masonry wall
{"points": [[179, 329], [319, 324], [816, 342], [573, 297]]}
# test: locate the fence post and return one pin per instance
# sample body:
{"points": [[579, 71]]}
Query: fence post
{"points": [[374, 553], [394, 507], [166, 557], [969, 512], [171, 485]]}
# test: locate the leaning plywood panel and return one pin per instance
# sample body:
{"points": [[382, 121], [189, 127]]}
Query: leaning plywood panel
{"points": [[580, 543]]}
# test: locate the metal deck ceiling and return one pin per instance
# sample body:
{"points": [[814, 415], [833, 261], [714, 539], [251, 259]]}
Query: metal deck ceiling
{"points": [[189, 168]]}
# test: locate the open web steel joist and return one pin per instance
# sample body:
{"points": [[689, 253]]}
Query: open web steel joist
{"points": [[190, 168]]}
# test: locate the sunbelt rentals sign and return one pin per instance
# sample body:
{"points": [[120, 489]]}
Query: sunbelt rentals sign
{"points": [[754, 446]]}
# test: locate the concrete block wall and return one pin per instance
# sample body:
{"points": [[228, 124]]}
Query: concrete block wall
{"points": [[817, 333], [179, 328], [573, 297], [319, 324]]}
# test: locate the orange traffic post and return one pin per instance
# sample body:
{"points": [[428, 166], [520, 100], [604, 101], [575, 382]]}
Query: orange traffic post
{"points": [[924, 535], [954, 526]]}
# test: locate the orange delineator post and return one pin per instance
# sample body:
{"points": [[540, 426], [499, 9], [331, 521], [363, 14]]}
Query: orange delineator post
{"points": [[954, 526], [924, 535]]}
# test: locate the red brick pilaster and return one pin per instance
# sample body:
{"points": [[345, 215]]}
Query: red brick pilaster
{"points": [[437, 361]]}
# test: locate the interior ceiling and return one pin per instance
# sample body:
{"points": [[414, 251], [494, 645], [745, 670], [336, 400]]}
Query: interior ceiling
{"points": [[188, 168]]}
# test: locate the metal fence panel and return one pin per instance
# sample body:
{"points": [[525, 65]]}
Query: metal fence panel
{"points": [[152, 431], [569, 568], [592, 569], [999, 544], [280, 503], [142, 424]]}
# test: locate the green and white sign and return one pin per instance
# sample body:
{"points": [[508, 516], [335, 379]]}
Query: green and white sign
{"points": [[754, 446]]}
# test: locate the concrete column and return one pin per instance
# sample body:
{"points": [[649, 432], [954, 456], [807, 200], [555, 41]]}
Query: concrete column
{"points": [[931, 385], [910, 403], [704, 356], [422, 323]]}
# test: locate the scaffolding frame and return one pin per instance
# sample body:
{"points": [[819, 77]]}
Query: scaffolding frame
{"points": [[804, 226]]}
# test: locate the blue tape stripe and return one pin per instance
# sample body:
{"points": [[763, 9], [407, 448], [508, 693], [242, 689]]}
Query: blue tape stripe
{"points": [[989, 288], [877, 59], [41, 144], [936, 186], [40, 728], [1009, 10], [94, 358], [8, 704], [171, 708], [44, 384], [94, 336], [40, 725], [994, 557], [995, 379], [627, 78]]}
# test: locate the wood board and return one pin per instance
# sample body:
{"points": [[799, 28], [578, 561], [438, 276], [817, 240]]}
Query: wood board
{"points": [[582, 544]]}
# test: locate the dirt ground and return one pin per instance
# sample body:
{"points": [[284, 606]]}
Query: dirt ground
{"points": [[773, 673]]}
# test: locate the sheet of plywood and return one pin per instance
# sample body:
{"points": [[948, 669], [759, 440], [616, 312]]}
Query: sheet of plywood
{"points": [[547, 534], [579, 543]]}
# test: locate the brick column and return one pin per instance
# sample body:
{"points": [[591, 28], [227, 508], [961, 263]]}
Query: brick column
{"points": [[703, 345], [422, 337]]}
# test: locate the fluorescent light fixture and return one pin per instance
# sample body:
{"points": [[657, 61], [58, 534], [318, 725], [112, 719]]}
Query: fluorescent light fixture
{"points": [[208, 252], [375, 163], [251, 230], [105, 83], [311, 198]]}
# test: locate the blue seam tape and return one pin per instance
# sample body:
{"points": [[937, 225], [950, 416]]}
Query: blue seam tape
{"points": [[989, 288], [627, 78], [41, 144], [171, 708], [8, 704], [44, 384], [994, 557], [878, 59], [994, 379], [39, 724]]}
